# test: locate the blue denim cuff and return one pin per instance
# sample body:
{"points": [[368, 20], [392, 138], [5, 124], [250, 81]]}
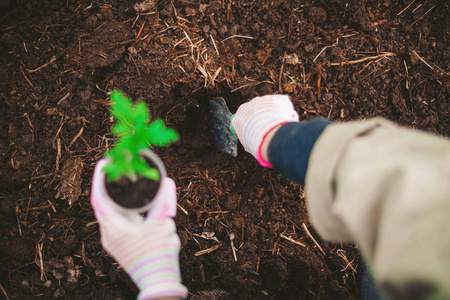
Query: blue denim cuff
{"points": [[291, 147]]}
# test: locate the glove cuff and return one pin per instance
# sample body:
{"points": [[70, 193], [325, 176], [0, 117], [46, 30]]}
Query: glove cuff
{"points": [[163, 290], [258, 156]]}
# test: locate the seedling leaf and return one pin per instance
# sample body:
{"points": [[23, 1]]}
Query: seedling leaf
{"points": [[160, 135], [135, 135]]}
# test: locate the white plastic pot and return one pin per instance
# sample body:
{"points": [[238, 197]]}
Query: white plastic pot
{"points": [[100, 191]]}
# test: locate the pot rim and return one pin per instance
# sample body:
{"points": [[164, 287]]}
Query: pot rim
{"points": [[150, 155]]}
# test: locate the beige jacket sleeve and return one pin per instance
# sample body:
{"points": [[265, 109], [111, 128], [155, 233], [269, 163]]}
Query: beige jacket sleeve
{"points": [[387, 189]]}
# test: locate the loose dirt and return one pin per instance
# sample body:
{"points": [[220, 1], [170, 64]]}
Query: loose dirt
{"points": [[342, 60]]}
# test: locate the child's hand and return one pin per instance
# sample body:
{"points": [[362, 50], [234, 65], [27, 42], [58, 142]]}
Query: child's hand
{"points": [[147, 248], [255, 119]]}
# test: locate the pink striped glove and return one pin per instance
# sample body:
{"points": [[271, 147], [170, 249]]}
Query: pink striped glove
{"points": [[255, 119], [147, 248]]}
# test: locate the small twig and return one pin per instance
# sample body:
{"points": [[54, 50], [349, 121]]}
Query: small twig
{"points": [[407, 75], [334, 45], [291, 240], [183, 210], [137, 68], [364, 78], [341, 254], [427, 64], [214, 44], [64, 98], [422, 16], [312, 238], [77, 136], [18, 221], [67, 231], [417, 7], [43, 66], [331, 109], [218, 212], [250, 84], [209, 250], [135, 20], [213, 78], [232, 246], [45, 30], [406, 8], [58, 155], [238, 36], [83, 253], [140, 31], [4, 292], [280, 89], [352, 62], [25, 76], [177, 43], [39, 207], [208, 236], [51, 205], [32, 127], [41, 260], [92, 223]]}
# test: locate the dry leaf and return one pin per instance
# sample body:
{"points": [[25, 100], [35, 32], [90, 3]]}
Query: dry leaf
{"points": [[70, 188], [207, 236], [292, 59]]}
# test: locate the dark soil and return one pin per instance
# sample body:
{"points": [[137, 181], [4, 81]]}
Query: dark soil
{"points": [[131, 194], [343, 60]]}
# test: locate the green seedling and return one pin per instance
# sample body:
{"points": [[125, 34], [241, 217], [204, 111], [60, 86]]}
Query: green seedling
{"points": [[135, 135]]}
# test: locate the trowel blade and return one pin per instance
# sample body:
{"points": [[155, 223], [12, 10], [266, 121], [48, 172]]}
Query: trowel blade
{"points": [[221, 117]]}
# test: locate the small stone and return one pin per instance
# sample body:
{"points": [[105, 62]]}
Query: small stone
{"points": [[234, 29], [25, 283], [145, 5], [202, 8], [354, 91], [52, 111], [223, 29], [190, 11], [90, 21], [59, 292], [57, 275], [48, 283], [70, 241], [292, 59], [317, 15], [12, 131], [289, 87], [85, 95], [309, 48], [72, 279], [206, 28], [188, 65], [249, 247], [231, 203], [328, 96], [165, 40], [132, 51]]}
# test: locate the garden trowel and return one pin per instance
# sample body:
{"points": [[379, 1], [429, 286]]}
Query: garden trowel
{"points": [[224, 139]]}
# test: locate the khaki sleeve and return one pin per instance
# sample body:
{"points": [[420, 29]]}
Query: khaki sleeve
{"points": [[387, 189]]}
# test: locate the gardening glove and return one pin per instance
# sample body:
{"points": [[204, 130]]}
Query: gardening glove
{"points": [[146, 247], [255, 119]]}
